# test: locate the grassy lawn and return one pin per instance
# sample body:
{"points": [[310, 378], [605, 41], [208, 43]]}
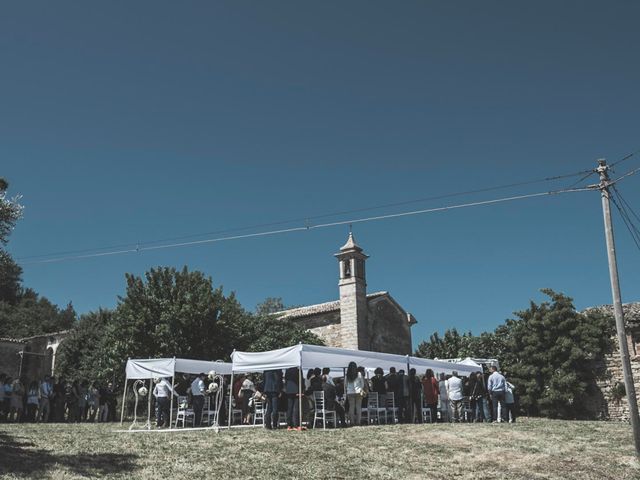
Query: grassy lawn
{"points": [[532, 448]]}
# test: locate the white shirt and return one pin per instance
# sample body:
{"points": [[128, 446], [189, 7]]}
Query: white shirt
{"points": [[454, 388], [197, 387], [442, 386], [162, 389], [355, 386]]}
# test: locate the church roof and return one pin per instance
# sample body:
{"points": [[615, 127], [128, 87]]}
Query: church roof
{"points": [[310, 310]]}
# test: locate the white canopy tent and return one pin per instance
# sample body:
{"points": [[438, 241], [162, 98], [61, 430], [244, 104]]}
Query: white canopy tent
{"points": [[311, 356], [146, 369]]}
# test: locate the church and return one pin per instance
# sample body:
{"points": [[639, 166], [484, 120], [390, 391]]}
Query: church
{"points": [[357, 320]]}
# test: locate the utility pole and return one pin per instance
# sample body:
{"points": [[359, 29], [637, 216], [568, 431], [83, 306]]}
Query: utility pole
{"points": [[603, 171]]}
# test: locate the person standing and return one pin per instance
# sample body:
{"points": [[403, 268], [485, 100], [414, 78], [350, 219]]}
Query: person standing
{"points": [[93, 401], [497, 386], [292, 379], [272, 389], [415, 397], [444, 399], [197, 396], [354, 390], [163, 391], [17, 400], [378, 382], [479, 395], [431, 391], [403, 397], [510, 402], [46, 391], [32, 401], [455, 392]]}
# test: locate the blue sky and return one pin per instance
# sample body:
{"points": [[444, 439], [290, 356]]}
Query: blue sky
{"points": [[127, 122]]}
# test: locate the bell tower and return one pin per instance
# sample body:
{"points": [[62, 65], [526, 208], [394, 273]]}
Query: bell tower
{"points": [[353, 296]]}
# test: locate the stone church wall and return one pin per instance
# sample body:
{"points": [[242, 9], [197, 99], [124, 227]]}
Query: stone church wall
{"points": [[326, 325], [389, 329], [614, 406]]}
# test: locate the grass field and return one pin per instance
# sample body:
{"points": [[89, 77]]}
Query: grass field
{"points": [[532, 448]]}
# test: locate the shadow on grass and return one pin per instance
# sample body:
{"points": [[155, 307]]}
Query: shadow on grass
{"points": [[21, 458]]}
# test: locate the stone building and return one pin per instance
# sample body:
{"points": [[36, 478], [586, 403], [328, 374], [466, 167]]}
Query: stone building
{"points": [[611, 402], [357, 320], [30, 357]]}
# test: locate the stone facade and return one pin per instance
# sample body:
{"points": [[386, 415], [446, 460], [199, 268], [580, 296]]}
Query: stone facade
{"points": [[31, 357], [608, 401], [358, 320]]}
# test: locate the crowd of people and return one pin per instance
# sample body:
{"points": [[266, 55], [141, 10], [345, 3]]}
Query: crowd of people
{"points": [[279, 395], [55, 400]]}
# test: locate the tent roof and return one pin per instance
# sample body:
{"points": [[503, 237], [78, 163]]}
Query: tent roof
{"points": [[166, 367], [311, 356]]}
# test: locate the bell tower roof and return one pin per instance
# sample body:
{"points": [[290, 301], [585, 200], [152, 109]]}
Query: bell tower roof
{"points": [[351, 247]]}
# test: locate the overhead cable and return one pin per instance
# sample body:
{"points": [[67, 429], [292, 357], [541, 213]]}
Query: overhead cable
{"points": [[130, 247], [308, 226]]}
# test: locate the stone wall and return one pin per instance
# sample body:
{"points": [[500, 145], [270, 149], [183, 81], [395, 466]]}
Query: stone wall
{"points": [[612, 407], [9, 358], [389, 329], [326, 325], [605, 402]]}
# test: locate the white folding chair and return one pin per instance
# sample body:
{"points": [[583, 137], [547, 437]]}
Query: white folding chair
{"points": [[208, 411], [321, 413], [258, 412], [185, 414], [374, 409], [390, 406], [426, 412], [235, 412]]}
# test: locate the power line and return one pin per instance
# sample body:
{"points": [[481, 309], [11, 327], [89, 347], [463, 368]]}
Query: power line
{"points": [[132, 247], [635, 233], [626, 203], [624, 159], [311, 227]]}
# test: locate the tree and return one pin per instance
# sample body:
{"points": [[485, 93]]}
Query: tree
{"points": [[34, 315], [10, 212], [552, 356], [10, 279], [452, 345], [82, 353], [171, 313]]}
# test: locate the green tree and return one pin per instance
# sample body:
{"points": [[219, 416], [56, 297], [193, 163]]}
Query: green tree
{"points": [[452, 345], [82, 355], [171, 313], [552, 356], [10, 212], [10, 279], [34, 315]]}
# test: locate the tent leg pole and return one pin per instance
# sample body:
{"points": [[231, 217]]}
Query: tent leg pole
{"points": [[149, 404], [230, 406], [124, 393], [300, 395], [171, 399]]}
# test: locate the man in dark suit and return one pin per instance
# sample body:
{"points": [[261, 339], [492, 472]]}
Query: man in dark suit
{"points": [[272, 389], [292, 379]]}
